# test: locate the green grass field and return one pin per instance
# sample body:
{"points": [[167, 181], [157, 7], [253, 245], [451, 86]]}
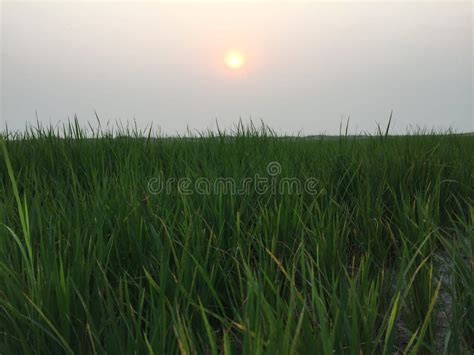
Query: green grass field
{"points": [[377, 258]]}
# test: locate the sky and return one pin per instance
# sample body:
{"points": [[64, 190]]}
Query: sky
{"points": [[307, 65]]}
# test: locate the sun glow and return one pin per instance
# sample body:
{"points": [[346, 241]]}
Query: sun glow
{"points": [[234, 60]]}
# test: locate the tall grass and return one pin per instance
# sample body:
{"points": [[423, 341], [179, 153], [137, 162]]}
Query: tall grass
{"points": [[379, 260]]}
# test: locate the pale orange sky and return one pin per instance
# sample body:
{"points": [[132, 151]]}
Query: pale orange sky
{"points": [[306, 64]]}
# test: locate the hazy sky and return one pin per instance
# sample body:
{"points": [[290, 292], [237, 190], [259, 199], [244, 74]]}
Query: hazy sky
{"points": [[306, 64]]}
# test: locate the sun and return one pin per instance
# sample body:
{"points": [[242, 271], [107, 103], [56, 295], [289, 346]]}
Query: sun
{"points": [[234, 60]]}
